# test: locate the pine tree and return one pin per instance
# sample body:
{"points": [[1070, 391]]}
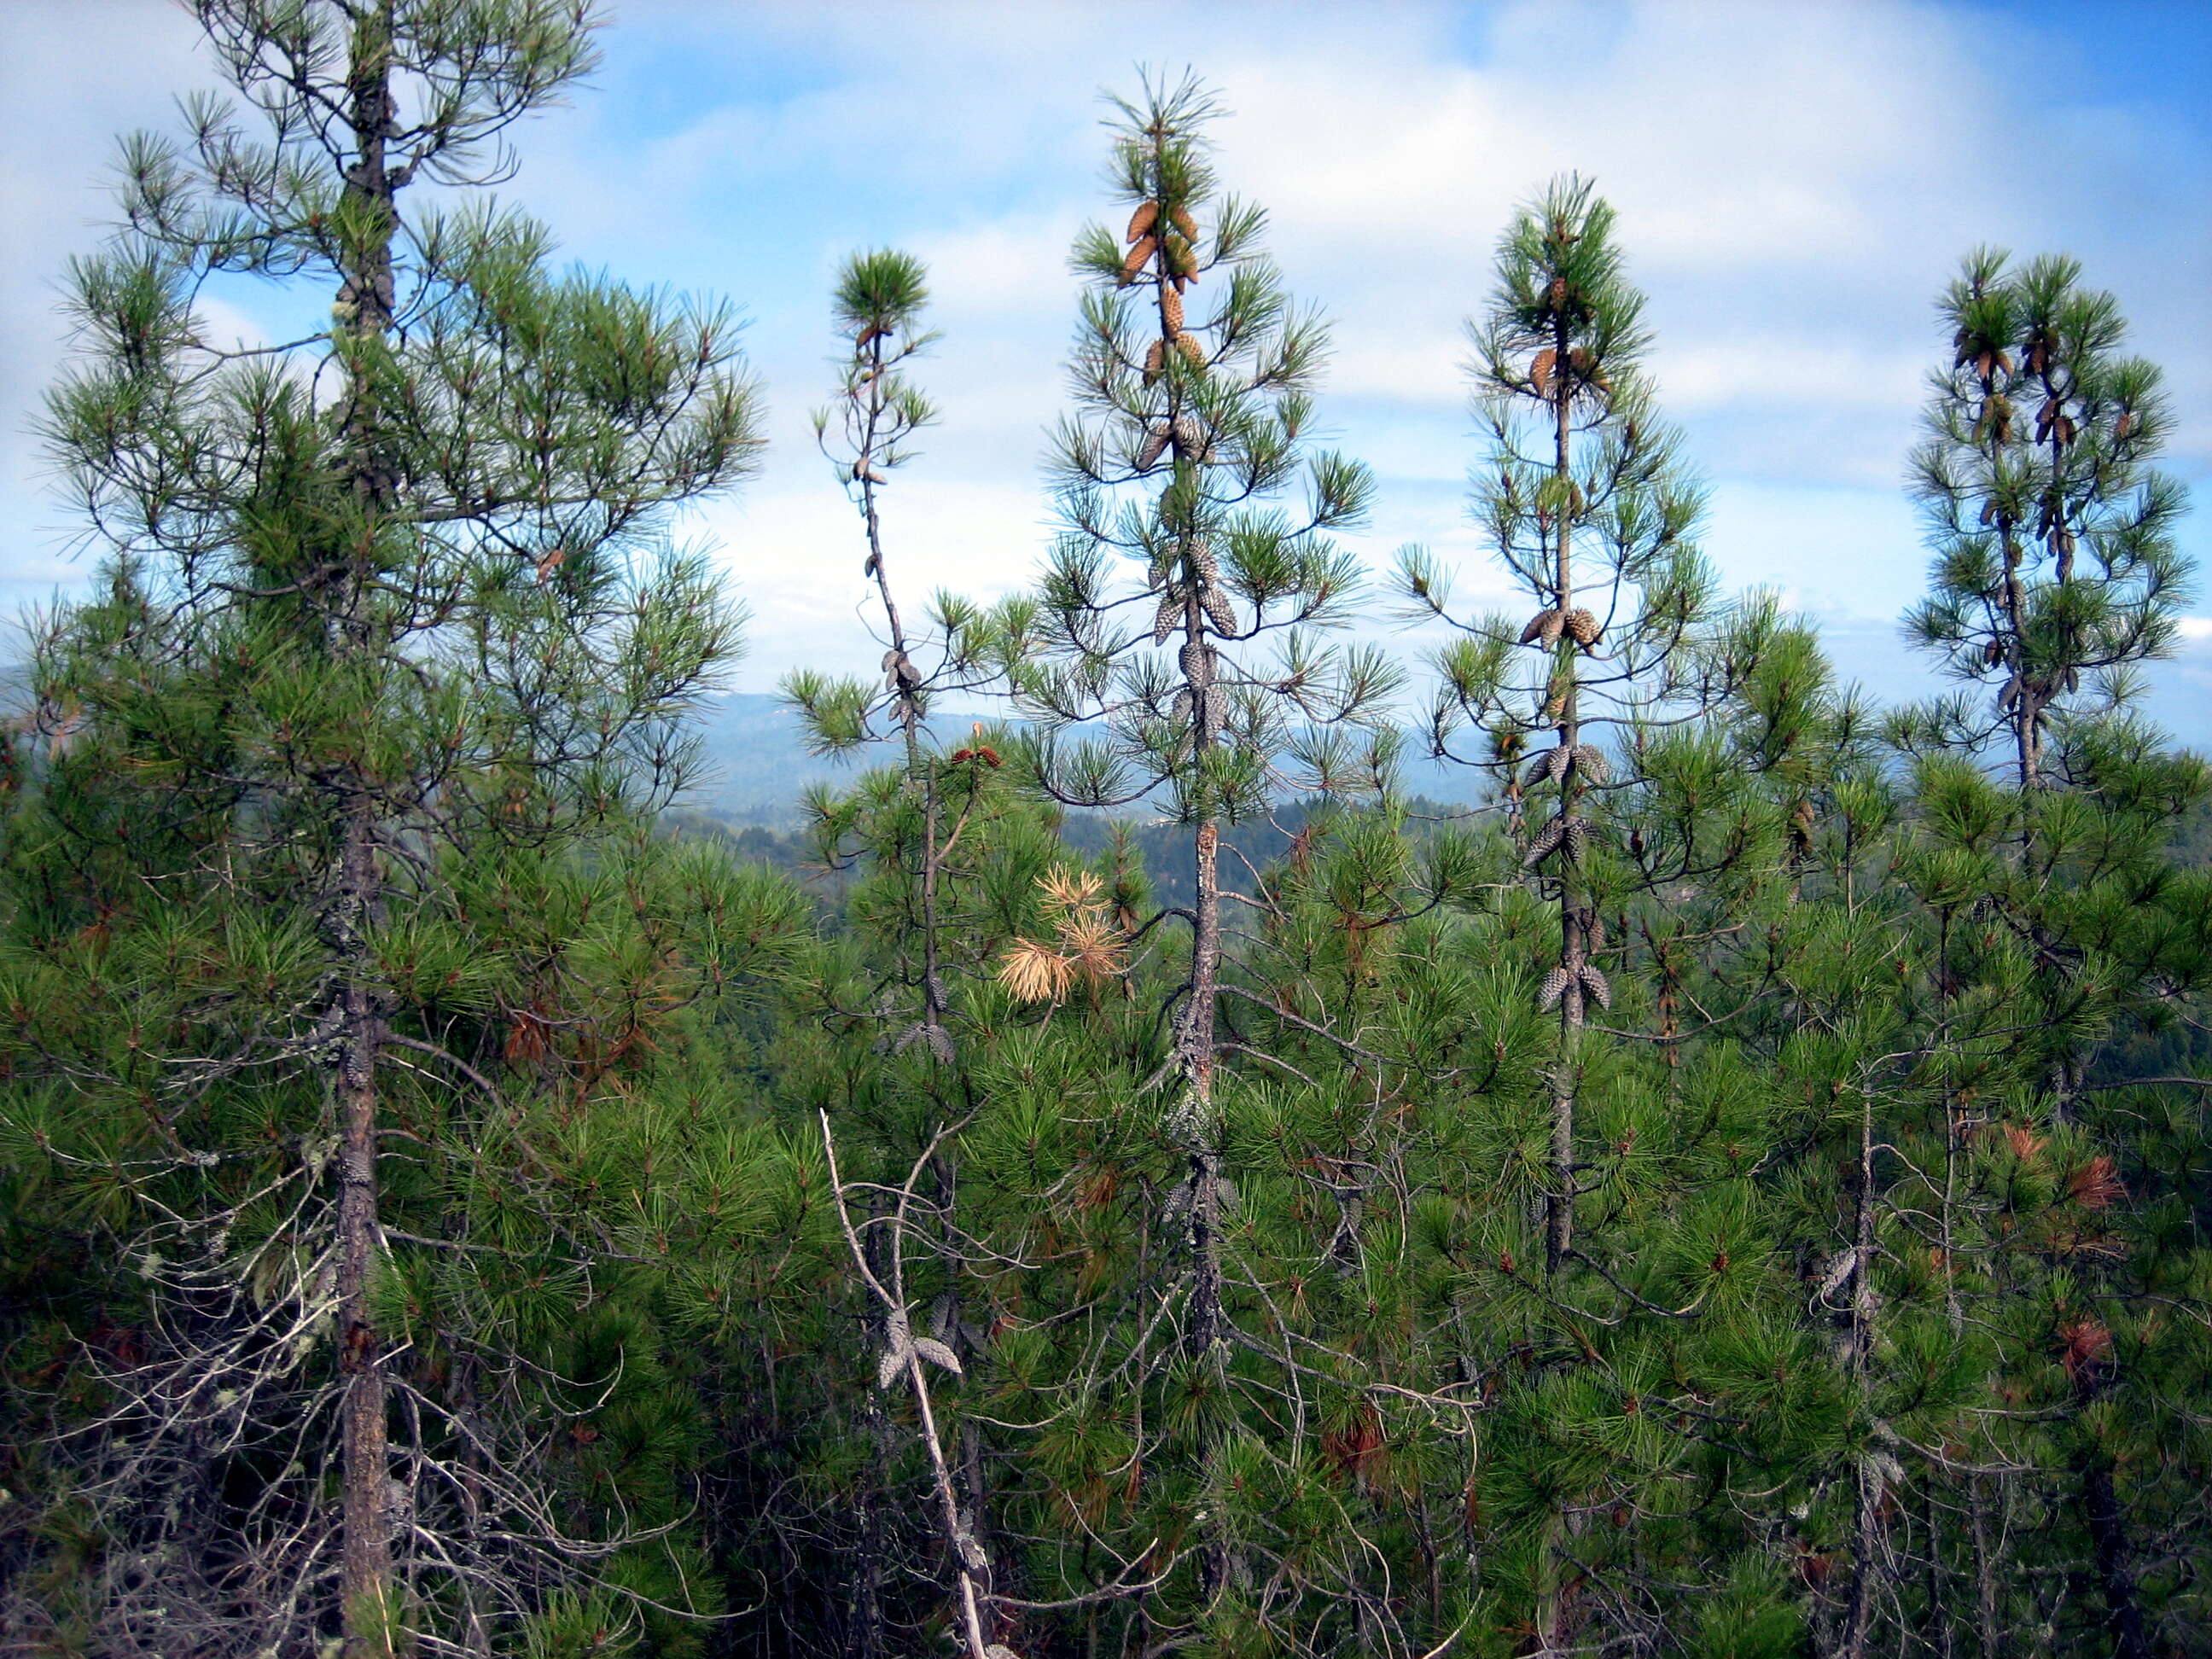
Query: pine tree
{"points": [[1590, 511], [1185, 428], [386, 643], [2055, 557]]}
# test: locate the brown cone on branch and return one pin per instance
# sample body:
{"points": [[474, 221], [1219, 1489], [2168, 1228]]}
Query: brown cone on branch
{"points": [[1595, 983], [1164, 618], [1193, 353], [1553, 987], [1547, 768], [1547, 841], [1581, 626], [1590, 762], [1142, 221], [1543, 627], [1139, 257], [1540, 371], [1154, 447], [1156, 356], [1182, 221], [1190, 437], [1215, 604], [1182, 260], [1171, 308]]}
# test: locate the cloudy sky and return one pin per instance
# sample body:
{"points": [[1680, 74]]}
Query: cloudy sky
{"points": [[1795, 178]]}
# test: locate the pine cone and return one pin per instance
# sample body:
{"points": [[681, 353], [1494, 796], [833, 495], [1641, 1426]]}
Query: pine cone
{"points": [[1595, 983], [1545, 767], [1182, 221], [1171, 308], [1554, 987], [1203, 562], [1154, 447], [1576, 838], [1543, 626], [1582, 626], [1190, 437], [1540, 371], [1590, 761], [1216, 605], [1182, 259], [1196, 662], [1547, 841], [1142, 221], [1164, 619], [1139, 257], [1193, 353], [1155, 359], [899, 674]]}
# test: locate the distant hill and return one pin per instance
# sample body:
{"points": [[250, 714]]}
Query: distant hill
{"points": [[755, 763]]}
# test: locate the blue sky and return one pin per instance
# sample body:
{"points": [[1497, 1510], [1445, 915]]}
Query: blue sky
{"points": [[1795, 179]]}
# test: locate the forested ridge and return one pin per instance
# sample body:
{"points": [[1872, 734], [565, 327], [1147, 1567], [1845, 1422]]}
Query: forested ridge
{"points": [[1129, 1175]]}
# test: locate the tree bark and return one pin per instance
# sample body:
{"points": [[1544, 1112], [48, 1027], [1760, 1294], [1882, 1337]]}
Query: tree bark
{"points": [[2108, 1536], [1559, 1210], [365, 1581]]}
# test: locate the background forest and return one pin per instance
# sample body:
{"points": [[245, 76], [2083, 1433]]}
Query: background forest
{"points": [[1220, 1135]]}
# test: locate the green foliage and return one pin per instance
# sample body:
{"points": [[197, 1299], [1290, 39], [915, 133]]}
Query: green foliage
{"points": [[1229, 1234]]}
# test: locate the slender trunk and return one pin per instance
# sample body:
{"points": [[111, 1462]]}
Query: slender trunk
{"points": [[1985, 1579], [1955, 1129], [2108, 1534], [1205, 1160], [2026, 706], [365, 1578], [1551, 1599], [1197, 1128], [968, 1554], [1867, 1474], [1197, 660], [863, 1639], [906, 683], [1574, 939], [365, 1570]]}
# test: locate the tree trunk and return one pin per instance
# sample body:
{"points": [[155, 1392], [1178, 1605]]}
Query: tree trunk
{"points": [[1866, 1472], [1559, 1210], [365, 1581], [2108, 1534], [365, 1572]]}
